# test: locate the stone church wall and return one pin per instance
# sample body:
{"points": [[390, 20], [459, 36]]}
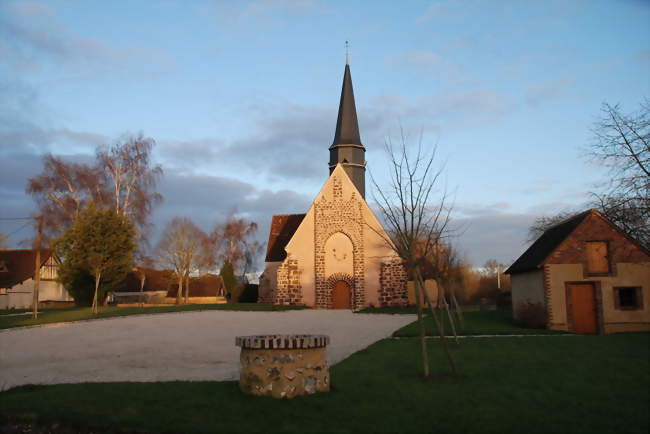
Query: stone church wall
{"points": [[331, 217], [393, 284], [288, 290]]}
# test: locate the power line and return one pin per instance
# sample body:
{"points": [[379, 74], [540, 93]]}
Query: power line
{"points": [[17, 230], [16, 218]]}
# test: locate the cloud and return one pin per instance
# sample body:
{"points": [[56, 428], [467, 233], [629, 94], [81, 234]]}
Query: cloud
{"points": [[205, 199], [294, 6], [261, 13], [445, 69], [501, 236], [474, 209], [433, 11], [213, 198], [548, 90], [418, 59], [183, 154], [643, 55], [32, 38], [480, 103], [287, 142], [499, 231]]}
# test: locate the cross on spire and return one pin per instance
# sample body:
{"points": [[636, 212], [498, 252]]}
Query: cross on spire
{"points": [[347, 52]]}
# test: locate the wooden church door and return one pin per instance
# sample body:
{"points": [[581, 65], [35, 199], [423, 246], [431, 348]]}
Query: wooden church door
{"points": [[341, 295]]}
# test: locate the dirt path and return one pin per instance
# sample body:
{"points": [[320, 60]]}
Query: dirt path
{"points": [[167, 347]]}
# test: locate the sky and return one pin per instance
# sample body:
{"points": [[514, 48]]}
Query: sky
{"points": [[241, 98]]}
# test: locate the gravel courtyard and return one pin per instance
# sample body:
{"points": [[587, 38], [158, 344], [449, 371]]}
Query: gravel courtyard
{"points": [[167, 347]]}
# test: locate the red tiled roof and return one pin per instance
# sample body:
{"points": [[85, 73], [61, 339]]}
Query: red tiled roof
{"points": [[283, 226], [16, 266]]}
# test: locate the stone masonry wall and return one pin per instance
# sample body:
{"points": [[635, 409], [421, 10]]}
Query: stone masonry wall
{"points": [[393, 284], [345, 216], [289, 290]]}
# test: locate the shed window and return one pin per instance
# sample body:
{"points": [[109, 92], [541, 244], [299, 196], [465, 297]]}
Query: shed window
{"points": [[628, 298], [597, 257]]}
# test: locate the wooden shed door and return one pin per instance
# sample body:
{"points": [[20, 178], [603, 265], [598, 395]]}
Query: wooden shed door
{"points": [[341, 295], [583, 305], [597, 258]]}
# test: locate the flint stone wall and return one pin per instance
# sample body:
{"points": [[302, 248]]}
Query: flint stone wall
{"points": [[283, 366], [393, 289]]}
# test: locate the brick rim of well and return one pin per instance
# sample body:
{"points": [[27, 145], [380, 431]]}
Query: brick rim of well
{"points": [[277, 342]]}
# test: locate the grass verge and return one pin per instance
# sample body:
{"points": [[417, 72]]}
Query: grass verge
{"points": [[579, 384], [66, 314], [476, 322]]}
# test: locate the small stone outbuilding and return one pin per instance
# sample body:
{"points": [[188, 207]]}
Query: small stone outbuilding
{"points": [[589, 276]]}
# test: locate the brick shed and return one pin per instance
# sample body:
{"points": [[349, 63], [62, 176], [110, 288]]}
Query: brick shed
{"points": [[588, 275]]}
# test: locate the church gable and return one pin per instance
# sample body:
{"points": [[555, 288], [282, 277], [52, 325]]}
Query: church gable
{"points": [[332, 242], [339, 224]]}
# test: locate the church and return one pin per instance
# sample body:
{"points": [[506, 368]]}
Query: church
{"points": [[335, 256]]}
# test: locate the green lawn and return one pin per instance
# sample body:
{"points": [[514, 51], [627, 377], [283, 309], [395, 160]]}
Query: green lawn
{"points": [[390, 310], [548, 384], [48, 316], [476, 322]]}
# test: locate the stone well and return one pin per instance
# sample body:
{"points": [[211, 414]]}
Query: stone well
{"points": [[283, 366]]}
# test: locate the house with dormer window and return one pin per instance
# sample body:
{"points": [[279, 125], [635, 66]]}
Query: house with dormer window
{"points": [[17, 269]]}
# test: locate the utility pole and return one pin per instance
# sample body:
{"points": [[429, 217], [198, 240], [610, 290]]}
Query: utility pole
{"points": [[37, 265], [498, 276]]}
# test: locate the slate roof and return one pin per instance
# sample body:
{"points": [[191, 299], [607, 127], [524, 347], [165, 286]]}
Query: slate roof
{"points": [[347, 126], [16, 266], [283, 226], [532, 258]]}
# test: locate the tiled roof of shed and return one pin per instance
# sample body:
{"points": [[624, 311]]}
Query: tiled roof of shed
{"points": [[546, 243], [283, 226], [16, 266]]}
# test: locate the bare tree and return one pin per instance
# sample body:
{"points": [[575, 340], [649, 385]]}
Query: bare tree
{"points": [[62, 190], [542, 223], [130, 177], [179, 249], [622, 144], [446, 266], [122, 179], [143, 262], [416, 213], [234, 241]]}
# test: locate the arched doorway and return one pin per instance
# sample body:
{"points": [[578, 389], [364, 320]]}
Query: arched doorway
{"points": [[341, 295]]}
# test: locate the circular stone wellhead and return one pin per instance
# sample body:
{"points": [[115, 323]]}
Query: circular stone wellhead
{"points": [[282, 342], [283, 366]]}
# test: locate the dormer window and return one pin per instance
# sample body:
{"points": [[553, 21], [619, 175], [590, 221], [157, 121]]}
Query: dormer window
{"points": [[597, 257]]}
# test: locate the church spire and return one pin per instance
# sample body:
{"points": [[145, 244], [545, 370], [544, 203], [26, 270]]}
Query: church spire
{"points": [[347, 127], [346, 148]]}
